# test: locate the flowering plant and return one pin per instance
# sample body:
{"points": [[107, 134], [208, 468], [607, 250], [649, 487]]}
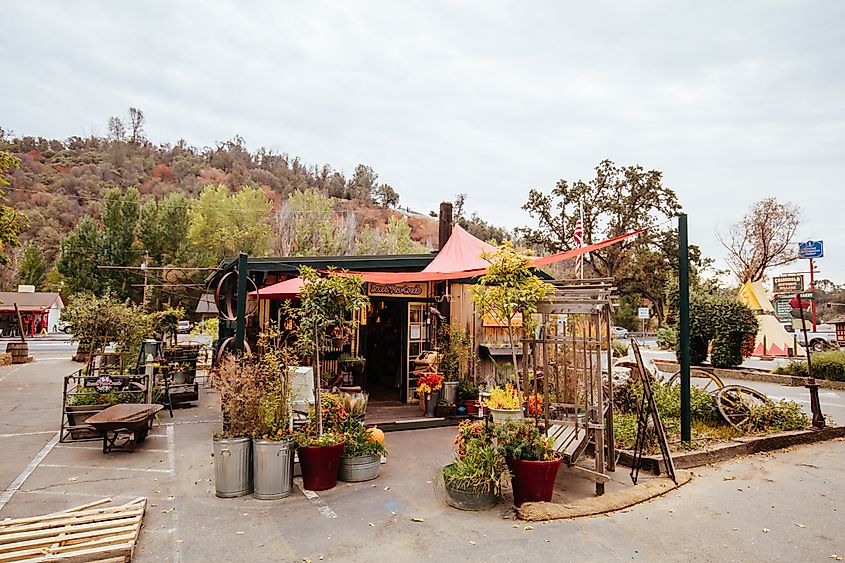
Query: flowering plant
{"points": [[520, 439], [429, 382], [306, 439], [505, 397], [535, 405], [471, 435]]}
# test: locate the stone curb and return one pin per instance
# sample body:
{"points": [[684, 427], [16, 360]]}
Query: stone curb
{"points": [[735, 448], [754, 375], [643, 491]]}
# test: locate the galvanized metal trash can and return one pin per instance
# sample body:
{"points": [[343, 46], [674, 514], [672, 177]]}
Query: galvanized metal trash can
{"points": [[450, 392], [273, 469], [232, 467]]}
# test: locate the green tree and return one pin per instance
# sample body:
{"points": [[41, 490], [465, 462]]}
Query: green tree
{"points": [[306, 226], [32, 268], [12, 222], [509, 288], [386, 196], [221, 224], [120, 221], [163, 228], [362, 186], [79, 252]]}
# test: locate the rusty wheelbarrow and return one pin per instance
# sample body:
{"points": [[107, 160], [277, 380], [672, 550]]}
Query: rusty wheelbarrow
{"points": [[129, 422]]}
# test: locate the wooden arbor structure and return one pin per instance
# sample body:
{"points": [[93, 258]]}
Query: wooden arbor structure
{"points": [[573, 352]]}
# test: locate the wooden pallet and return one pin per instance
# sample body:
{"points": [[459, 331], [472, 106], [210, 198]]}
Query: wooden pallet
{"points": [[91, 532]]}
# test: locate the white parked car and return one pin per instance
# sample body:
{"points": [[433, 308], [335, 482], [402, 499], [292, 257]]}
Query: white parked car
{"points": [[619, 332]]}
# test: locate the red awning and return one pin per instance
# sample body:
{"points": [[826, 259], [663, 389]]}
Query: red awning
{"points": [[288, 289], [460, 253]]}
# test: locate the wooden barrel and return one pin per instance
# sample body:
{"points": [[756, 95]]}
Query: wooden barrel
{"points": [[19, 351]]}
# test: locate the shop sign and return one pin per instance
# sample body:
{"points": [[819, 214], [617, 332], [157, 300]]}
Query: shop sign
{"points": [[783, 309], [411, 290], [788, 284]]}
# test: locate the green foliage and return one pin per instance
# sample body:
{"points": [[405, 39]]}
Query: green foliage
{"points": [[467, 390], [394, 238], [478, 465], [722, 320], [32, 268], [356, 442], [666, 337], [306, 226], [165, 322], [222, 224], [794, 367], [521, 439], [828, 365], [163, 228], [620, 349], [327, 304], [456, 353], [777, 416], [98, 321], [90, 398], [12, 222], [78, 255], [509, 288]]}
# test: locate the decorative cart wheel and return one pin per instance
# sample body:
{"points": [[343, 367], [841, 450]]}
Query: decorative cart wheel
{"points": [[710, 382], [735, 403]]}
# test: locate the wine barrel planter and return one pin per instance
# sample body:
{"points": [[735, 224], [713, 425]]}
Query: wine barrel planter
{"points": [[19, 352], [468, 499]]}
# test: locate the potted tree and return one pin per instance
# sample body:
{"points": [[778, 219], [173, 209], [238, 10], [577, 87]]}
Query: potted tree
{"points": [[509, 290], [273, 447], [473, 480], [531, 459], [362, 452], [505, 403]]}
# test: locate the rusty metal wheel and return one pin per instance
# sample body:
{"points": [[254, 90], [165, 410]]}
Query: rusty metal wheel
{"points": [[735, 403], [707, 381]]}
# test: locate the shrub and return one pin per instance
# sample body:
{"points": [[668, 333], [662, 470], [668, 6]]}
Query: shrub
{"points": [[829, 365], [727, 351], [726, 322], [778, 416], [666, 337], [795, 367], [620, 349]]}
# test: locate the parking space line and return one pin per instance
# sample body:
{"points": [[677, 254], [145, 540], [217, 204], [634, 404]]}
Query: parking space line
{"points": [[315, 499], [106, 467], [27, 471], [171, 461], [100, 448], [27, 434]]}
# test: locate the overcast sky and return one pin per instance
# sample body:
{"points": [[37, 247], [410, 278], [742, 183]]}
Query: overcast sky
{"points": [[733, 101]]}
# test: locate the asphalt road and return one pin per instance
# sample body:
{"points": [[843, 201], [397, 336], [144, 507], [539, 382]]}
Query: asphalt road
{"points": [[780, 507]]}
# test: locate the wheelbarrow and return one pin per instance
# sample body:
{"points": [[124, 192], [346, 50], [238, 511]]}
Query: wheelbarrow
{"points": [[127, 422]]}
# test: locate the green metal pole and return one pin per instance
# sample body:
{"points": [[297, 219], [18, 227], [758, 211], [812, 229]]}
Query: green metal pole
{"points": [[240, 322], [683, 298]]}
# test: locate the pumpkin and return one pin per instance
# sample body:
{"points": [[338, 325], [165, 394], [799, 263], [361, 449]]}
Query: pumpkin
{"points": [[375, 435]]}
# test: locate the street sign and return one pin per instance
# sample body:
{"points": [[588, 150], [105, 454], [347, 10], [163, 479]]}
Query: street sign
{"points": [[792, 283], [811, 249], [642, 313], [807, 295], [783, 309]]}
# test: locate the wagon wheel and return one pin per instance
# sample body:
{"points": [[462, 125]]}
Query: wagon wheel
{"points": [[735, 403], [707, 381]]}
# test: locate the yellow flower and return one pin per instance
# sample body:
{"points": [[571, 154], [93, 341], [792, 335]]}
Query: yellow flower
{"points": [[504, 398]]}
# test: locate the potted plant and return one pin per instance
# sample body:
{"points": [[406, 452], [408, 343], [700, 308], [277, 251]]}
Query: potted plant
{"points": [[273, 447], [468, 394], [428, 387], [320, 452], [362, 452], [505, 403], [352, 364], [473, 480], [180, 372], [241, 390], [531, 459]]}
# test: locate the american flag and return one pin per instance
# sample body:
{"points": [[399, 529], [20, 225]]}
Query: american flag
{"points": [[578, 239]]}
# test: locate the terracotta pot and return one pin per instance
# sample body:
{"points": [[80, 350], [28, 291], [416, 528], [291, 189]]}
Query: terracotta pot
{"points": [[320, 465], [533, 481]]}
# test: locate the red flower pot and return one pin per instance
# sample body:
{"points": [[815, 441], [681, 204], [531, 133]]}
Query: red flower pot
{"points": [[533, 481], [320, 465], [472, 407]]}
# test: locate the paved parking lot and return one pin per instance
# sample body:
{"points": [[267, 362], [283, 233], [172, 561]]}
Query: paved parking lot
{"points": [[721, 515]]}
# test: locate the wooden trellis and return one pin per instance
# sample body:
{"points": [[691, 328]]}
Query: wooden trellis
{"points": [[572, 357]]}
